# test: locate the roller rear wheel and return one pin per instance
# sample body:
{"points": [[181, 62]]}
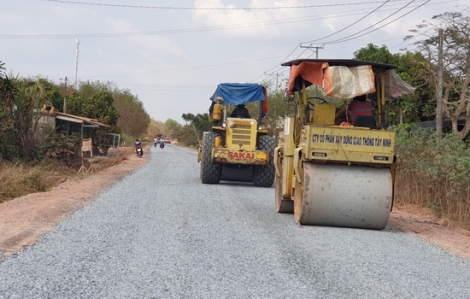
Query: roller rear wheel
{"points": [[210, 172], [263, 176]]}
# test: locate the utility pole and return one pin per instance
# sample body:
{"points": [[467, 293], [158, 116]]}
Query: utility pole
{"points": [[65, 96], [439, 86], [314, 47], [277, 80], [77, 41]]}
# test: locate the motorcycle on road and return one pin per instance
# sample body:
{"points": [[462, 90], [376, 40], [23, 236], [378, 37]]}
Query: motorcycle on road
{"points": [[138, 148], [140, 151]]}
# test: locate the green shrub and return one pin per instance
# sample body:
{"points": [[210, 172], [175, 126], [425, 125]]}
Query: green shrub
{"points": [[434, 171]]}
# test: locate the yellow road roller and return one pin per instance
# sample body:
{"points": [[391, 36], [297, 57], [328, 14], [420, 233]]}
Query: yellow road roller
{"points": [[237, 148], [337, 168]]}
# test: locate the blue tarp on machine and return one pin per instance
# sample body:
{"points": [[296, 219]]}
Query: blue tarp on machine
{"points": [[239, 93]]}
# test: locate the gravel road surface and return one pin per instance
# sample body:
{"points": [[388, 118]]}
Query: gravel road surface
{"points": [[160, 233]]}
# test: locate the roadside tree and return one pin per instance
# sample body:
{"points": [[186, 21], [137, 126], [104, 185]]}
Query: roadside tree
{"points": [[133, 119], [455, 37], [171, 128], [8, 91], [155, 128], [410, 108], [99, 106]]}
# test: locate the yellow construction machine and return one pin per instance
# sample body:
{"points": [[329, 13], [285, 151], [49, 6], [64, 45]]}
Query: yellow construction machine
{"points": [[334, 174], [237, 148]]}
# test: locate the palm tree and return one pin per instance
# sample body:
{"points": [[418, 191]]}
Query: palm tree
{"points": [[8, 89]]}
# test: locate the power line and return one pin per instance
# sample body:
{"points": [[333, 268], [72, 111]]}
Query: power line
{"points": [[218, 8], [216, 28], [353, 36], [164, 86], [189, 30], [280, 69], [266, 72], [350, 25], [300, 45], [173, 31], [277, 66], [186, 68], [371, 26]]}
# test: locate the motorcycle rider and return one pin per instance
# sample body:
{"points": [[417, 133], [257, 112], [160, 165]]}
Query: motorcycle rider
{"points": [[138, 145]]}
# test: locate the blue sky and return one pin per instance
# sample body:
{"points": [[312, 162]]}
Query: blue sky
{"points": [[172, 54]]}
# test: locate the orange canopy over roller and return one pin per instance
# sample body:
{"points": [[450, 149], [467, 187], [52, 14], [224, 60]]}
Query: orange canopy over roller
{"points": [[311, 72]]}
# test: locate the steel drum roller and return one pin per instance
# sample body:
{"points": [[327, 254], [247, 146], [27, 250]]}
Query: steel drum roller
{"points": [[342, 195]]}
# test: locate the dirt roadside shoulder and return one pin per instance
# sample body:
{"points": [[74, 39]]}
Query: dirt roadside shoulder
{"points": [[420, 222], [23, 220]]}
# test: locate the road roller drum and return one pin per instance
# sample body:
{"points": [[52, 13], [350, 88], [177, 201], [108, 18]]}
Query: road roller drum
{"points": [[341, 195]]}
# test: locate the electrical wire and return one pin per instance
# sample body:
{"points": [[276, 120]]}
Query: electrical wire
{"points": [[371, 26], [238, 25], [185, 68], [353, 36], [217, 8], [350, 25], [265, 72], [350, 37], [174, 31], [185, 30], [336, 32]]}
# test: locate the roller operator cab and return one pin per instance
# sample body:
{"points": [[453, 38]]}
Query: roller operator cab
{"points": [[237, 148], [334, 172]]}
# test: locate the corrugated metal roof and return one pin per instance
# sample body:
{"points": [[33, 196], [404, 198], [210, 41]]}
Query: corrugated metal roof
{"points": [[78, 119]]}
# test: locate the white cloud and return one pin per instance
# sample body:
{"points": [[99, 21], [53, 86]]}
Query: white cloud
{"points": [[330, 22], [244, 22], [151, 44]]}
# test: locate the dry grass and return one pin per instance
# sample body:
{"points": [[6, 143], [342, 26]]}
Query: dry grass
{"points": [[438, 196], [19, 179], [434, 173]]}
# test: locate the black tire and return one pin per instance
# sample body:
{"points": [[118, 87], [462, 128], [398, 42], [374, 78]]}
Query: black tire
{"points": [[263, 176], [211, 173]]}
